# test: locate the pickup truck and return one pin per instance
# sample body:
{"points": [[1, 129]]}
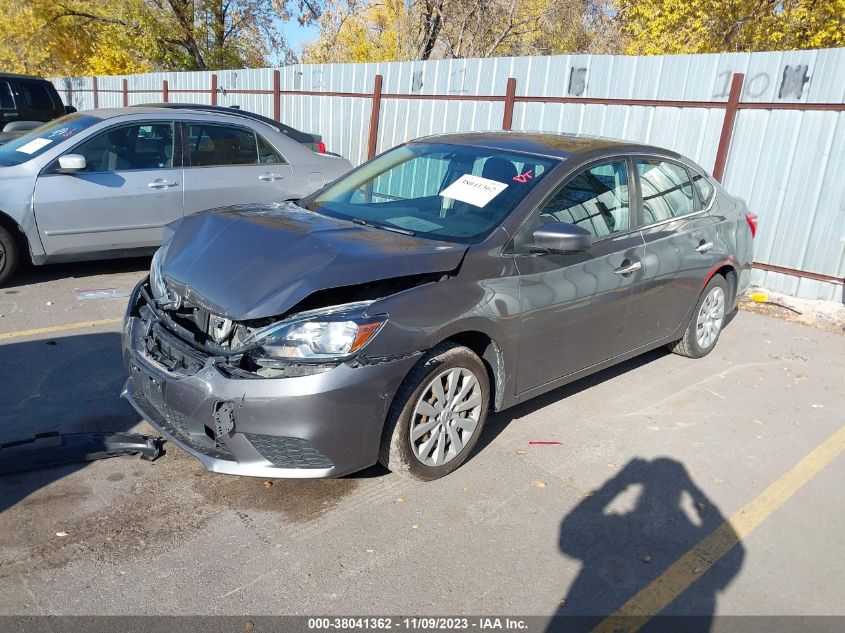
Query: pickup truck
{"points": [[25, 103]]}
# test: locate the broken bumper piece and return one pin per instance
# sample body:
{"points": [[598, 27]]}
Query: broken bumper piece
{"points": [[53, 449], [326, 424]]}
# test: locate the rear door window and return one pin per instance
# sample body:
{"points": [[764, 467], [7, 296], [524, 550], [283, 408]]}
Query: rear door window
{"points": [[221, 145], [35, 95], [666, 190]]}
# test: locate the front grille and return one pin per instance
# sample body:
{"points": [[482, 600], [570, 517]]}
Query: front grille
{"points": [[170, 351], [288, 452]]}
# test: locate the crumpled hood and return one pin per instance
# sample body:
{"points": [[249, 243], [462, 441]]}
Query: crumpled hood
{"points": [[255, 261]]}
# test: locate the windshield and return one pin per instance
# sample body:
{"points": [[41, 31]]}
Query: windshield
{"points": [[448, 192], [41, 139]]}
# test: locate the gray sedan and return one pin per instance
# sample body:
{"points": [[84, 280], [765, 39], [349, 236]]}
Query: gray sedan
{"points": [[104, 183], [383, 317]]}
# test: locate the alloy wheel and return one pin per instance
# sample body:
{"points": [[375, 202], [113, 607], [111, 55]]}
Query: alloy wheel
{"points": [[710, 317], [446, 416]]}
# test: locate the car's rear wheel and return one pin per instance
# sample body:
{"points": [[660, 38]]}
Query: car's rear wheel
{"points": [[8, 256], [706, 322], [437, 414]]}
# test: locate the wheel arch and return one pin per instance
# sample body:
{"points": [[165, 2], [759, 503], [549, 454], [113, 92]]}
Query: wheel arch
{"points": [[18, 234], [490, 353], [729, 272]]}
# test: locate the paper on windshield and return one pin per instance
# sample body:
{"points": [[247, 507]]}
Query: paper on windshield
{"points": [[34, 145], [474, 190]]}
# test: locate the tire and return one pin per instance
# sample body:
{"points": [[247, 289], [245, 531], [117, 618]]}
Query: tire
{"points": [[450, 364], [9, 256], [703, 331]]}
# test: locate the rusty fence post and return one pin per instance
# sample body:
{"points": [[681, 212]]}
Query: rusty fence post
{"points": [[214, 89], [165, 91], [510, 94], [125, 93], [374, 117], [95, 91], [731, 109], [277, 95]]}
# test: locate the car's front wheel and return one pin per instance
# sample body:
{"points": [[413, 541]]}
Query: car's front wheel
{"points": [[8, 256], [706, 322], [437, 414]]}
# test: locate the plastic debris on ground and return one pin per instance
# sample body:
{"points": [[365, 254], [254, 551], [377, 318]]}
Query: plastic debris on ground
{"points": [[100, 293]]}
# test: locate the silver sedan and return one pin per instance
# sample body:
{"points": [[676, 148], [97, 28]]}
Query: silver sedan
{"points": [[104, 183]]}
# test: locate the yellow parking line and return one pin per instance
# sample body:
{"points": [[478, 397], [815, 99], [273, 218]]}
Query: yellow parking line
{"points": [[58, 328], [653, 598]]}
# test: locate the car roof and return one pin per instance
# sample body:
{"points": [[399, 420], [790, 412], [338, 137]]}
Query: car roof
{"points": [[545, 143], [21, 76], [107, 113], [168, 110], [297, 135]]}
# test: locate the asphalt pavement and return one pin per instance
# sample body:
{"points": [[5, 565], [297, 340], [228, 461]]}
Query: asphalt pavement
{"points": [[706, 487]]}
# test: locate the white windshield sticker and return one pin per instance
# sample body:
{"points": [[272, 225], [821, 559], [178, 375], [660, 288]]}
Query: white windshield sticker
{"points": [[474, 190], [34, 145]]}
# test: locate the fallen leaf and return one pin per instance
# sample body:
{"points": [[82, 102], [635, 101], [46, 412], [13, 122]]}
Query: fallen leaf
{"points": [[400, 499], [589, 493], [415, 526], [466, 488], [538, 484], [61, 533], [268, 485], [520, 451], [249, 626]]}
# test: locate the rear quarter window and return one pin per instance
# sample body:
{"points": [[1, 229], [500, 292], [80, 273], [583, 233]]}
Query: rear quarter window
{"points": [[7, 101], [704, 188]]}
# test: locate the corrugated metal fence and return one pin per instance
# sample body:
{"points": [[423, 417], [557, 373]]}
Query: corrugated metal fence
{"points": [[769, 125]]}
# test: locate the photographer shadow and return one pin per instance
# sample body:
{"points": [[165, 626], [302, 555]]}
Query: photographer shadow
{"points": [[632, 530]]}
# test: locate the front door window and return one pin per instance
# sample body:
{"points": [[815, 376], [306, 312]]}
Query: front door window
{"points": [[130, 147]]}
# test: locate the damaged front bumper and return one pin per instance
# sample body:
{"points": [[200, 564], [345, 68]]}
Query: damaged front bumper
{"points": [[327, 424]]}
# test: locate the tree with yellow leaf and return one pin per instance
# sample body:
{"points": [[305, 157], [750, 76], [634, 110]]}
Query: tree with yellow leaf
{"points": [[714, 26], [82, 37], [381, 30]]}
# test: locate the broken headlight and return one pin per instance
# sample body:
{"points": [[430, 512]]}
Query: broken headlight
{"points": [[165, 297], [315, 336]]}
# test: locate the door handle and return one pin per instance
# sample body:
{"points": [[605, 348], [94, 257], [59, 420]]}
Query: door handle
{"points": [[627, 269], [161, 183], [703, 247], [268, 177]]}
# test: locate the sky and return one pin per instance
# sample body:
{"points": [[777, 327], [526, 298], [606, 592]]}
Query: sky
{"points": [[296, 35]]}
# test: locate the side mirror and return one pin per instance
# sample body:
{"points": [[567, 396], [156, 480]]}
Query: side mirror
{"points": [[71, 163], [561, 237]]}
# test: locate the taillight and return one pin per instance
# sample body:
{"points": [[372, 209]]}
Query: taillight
{"points": [[751, 218], [321, 147]]}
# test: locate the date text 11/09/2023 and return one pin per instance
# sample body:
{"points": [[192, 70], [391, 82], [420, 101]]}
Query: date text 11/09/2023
{"points": [[416, 624]]}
